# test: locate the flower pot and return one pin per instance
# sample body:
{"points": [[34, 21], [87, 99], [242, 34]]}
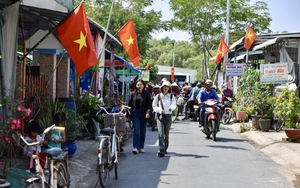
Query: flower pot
{"points": [[72, 147], [264, 124], [293, 134], [255, 122], [241, 116]]}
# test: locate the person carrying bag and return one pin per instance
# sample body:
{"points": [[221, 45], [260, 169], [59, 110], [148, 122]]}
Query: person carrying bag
{"points": [[163, 104]]}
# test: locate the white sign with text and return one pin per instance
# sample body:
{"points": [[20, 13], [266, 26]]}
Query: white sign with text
{"points": [[273, 73], [234, 69]]}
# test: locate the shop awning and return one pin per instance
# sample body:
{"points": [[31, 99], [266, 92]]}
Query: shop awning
{"points": [[119, 62]]}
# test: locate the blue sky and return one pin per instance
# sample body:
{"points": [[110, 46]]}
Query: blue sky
{"points": [[285, 15]]}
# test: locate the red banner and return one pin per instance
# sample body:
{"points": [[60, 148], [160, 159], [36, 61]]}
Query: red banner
{"points": [[172, 74]]}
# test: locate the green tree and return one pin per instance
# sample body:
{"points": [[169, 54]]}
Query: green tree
{"points": [[145, 22], [205, 21]]}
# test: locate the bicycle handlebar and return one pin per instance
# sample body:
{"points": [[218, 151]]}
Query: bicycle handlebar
{"points": [[53, 127], [123, 107]]}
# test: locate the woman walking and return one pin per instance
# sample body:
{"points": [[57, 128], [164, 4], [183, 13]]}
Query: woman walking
{"points": [[141, 109], [163, 104]]}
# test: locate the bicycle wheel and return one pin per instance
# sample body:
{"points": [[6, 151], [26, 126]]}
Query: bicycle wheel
{"points": [[103, 170], [66, 164], [226, 117], [35, 184], [62, 175]]}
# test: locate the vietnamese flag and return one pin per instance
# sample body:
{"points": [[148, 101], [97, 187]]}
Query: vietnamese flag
{"points": [[75, 35], [129, 41], [222, 50], [249, 38]]}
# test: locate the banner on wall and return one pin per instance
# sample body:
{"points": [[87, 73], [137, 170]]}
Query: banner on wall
{"points": [[274, 73]]}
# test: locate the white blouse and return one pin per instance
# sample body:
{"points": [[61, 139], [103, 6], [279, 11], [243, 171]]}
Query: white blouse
{"points": [[167, 103]]}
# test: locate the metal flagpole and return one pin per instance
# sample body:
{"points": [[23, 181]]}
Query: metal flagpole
{"points": [[227, 36]]}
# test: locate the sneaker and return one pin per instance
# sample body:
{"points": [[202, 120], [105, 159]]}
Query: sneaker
{"points": [[135, 151], [166, 151], [201, 128], [142, 151]]}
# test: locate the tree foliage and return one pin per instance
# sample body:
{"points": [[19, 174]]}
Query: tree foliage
{"points": [[205, 21], [145, 22]]}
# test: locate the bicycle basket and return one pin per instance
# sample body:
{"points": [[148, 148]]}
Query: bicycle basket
{"points": [[120, 121]]}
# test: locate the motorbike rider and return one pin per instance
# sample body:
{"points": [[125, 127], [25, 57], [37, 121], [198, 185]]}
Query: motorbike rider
{"points": [[226, 92], [204, 95], [193, 95]]}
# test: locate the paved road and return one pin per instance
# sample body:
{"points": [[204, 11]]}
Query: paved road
{"points": [[193, 161]]}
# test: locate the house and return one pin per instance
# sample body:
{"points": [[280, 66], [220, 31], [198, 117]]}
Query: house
{"points": [[34, 28], [270, 48]]}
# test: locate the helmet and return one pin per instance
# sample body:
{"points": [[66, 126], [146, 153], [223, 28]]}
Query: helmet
{"points": [[203, 81], [166, 83], [156, 86], [199, 84], [194, 84], [209, 82], [225, 84], [174, 84]]}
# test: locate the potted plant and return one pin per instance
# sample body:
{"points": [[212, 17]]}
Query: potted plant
{"points": [[12, 114], [87, 106], [287, 107], [255, 94]]}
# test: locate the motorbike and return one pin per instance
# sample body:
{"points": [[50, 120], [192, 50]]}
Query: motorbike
{"points": [[211, 119], [193, 113], [226, 111]]}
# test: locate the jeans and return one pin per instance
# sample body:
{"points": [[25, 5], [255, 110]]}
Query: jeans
{"points": [[163, 127], [139, 128]]}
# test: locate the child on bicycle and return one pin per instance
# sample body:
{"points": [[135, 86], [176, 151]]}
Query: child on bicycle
{"points": [[56, 137], [33, 136]]}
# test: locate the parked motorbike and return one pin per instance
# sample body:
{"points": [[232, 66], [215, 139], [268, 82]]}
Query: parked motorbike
{"points": [[226, 111], [193, 113], [211, 119]]}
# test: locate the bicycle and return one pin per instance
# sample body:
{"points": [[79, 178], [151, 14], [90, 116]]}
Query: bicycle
{"points": [[59, 174], [109, 146]]}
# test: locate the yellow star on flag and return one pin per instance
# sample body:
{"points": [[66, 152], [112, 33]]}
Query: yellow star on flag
{"points": [[249, 35], [81, 41], [130, 40], [219, 52]]}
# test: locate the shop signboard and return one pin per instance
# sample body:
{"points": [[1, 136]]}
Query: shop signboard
{"points": [[234, 69], [274, 73]]}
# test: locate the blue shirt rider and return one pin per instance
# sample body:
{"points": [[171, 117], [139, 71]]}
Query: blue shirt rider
{"points": [[204, 95]]}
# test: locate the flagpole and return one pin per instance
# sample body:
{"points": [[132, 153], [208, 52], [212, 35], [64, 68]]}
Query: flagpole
{"points": [[227, 37], [50, 31], [108, 22], [247, 55]]}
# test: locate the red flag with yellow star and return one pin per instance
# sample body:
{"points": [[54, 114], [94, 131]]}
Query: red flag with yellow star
{"points": [[129, 41], [75, 35], [222, 50], [249, 38]]}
